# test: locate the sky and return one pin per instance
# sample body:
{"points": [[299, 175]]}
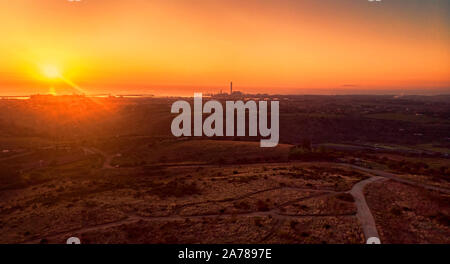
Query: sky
{"points": [[185, 46]]}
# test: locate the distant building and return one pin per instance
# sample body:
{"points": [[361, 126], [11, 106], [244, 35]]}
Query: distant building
{"points": [[232, 94]]}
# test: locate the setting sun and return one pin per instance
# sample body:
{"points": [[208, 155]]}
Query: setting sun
{"points": [[51, 72]]}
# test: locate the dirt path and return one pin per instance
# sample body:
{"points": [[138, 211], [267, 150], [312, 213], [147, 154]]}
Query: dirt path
{"points": [[363, 213], [395, 177]]}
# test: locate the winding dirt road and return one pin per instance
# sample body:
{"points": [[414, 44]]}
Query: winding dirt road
{"points": [[396, 178], [363, 213]]}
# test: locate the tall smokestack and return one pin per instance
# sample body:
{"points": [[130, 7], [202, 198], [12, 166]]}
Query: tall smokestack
{"points": [[231, 88]]}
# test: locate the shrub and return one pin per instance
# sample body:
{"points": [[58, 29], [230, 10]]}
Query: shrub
{"points": [[175, 189], [262, 206]]}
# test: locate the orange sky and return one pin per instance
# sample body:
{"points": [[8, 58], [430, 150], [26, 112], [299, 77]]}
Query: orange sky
{"points": [[173, 47]]}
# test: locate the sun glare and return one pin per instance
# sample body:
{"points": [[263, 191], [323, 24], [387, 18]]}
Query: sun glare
{"points": [[51, 72]]}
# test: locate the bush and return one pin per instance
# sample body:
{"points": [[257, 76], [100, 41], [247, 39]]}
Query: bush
{"points": [[262, 206], [175, 189], [310, 154]]}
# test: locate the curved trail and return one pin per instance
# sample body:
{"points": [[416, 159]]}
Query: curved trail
{"points": [[363, 213], [394, 177]]}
